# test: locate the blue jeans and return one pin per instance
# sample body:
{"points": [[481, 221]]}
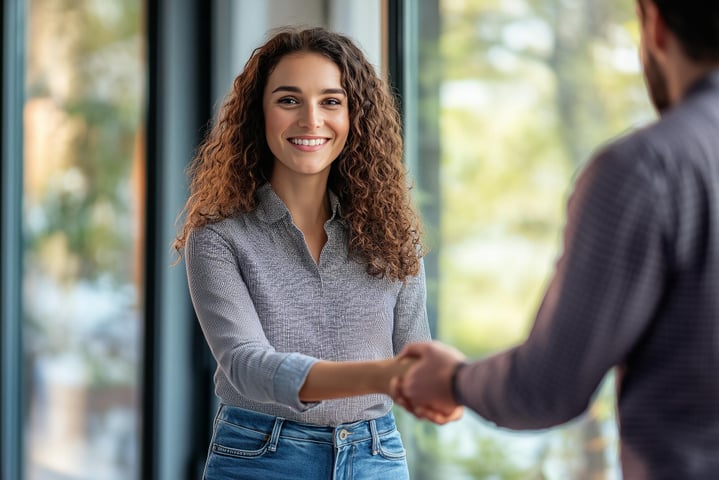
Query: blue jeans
{"points": [[251, 445]]}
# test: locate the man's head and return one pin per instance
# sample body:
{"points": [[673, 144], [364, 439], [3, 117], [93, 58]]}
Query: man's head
{"points": [[694, 27], [695, 23]]}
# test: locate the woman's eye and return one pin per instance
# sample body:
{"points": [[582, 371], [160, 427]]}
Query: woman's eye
{"points": [[288, 101], [333, 101]]}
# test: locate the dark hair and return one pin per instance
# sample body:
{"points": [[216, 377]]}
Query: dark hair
{"points": [[368, 176], [696, 25]]}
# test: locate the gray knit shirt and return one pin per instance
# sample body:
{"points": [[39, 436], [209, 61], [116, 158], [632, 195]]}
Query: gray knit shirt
{"points": [[269, 311], [636, 287]]}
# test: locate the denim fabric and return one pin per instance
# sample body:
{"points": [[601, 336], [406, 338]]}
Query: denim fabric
{"points": [[252, 445]]}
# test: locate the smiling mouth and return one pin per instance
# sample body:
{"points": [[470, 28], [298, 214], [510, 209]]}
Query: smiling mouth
{"points": [[309, 142]]}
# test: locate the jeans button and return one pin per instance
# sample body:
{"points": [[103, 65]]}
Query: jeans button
{"points": [[344, 434]]}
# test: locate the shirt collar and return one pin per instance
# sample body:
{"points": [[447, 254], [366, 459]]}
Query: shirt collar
{"points": [[271, 208], [709, 81]]}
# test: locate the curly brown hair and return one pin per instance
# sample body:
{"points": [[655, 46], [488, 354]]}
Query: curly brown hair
{"points": [[368, 176]]}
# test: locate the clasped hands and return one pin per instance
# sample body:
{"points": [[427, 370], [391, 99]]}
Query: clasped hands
{"points": [[424, 386]]}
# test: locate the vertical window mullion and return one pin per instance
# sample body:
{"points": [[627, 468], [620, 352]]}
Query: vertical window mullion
{"points": [[11, 180], [411, 75], [177, 386]]}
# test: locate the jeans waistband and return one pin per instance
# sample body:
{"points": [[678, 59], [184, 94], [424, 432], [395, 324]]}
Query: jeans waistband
{"points": [[345, 433]]}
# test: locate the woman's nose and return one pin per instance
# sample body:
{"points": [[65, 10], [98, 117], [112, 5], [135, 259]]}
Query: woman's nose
{"points": [[311, 117]]}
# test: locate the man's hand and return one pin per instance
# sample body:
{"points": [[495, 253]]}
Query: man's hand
{"points": [[425, 389]]}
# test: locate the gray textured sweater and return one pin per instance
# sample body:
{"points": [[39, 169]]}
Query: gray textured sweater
{"points": [[268, 311], [637, 287]]}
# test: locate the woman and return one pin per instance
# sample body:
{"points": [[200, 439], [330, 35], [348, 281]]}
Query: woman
{"points": [[304, 263]]}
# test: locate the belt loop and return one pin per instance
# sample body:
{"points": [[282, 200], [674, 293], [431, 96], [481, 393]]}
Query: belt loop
{"points": [[217, 415], [375, 437], [275, 434]]}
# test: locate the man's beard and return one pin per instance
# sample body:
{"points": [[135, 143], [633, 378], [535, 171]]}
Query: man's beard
{"points": [[656, 83]]}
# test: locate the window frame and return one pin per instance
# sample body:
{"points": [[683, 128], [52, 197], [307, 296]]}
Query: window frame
{"points": [[176, 375], [12, 47]]}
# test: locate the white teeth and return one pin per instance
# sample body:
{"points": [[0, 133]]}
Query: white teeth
{"points": [[305, 142]]}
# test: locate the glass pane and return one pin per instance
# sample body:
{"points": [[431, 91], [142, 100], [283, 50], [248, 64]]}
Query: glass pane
{"points": [[84, 172], [517, 94]]}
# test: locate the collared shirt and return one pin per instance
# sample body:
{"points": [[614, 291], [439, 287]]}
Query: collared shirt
{"points": [[269, 311], [636, 287]]}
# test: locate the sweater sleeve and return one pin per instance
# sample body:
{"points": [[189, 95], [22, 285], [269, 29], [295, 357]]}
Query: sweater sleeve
{"points": [[232, 328], [606, 287], [410, 312]]}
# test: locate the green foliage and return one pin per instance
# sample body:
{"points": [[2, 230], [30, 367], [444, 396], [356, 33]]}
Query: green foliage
{"points": [[529, 89], [526, 90], [94, 95], [84, 110], [495, 463]]}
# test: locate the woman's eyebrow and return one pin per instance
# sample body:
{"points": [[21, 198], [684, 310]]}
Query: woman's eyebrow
{"points": [[288, 88]]}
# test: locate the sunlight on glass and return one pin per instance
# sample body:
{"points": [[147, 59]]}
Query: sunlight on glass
{"points": [[83, 171], [527, 91]]}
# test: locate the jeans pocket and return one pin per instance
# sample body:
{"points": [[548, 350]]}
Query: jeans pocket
{"points": [[390, 445], [237, 441]]}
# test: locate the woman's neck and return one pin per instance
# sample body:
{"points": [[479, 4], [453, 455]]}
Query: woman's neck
{"points": [[306, 200]]}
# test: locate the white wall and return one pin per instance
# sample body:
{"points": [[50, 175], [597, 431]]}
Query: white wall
{"points": [[242, 25], [362, 21]]}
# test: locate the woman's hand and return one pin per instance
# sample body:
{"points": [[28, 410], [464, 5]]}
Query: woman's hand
{"points": [[391, 369], [425, 389], [327, 380]]}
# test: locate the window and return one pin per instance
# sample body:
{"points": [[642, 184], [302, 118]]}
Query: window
{"points": [[83, 214], [102, 365], [503, 101]]}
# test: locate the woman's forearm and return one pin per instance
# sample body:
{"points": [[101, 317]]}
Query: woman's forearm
{"points": [[327, 380]]}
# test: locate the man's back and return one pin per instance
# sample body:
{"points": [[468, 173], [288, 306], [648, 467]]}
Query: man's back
{"points": [[669, 389], [635, 288]]}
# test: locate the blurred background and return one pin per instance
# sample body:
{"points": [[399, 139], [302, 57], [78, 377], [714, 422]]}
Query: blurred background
{"points": [[104, 372]]}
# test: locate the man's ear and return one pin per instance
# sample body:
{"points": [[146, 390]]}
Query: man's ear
{"points": [[655, 29]]}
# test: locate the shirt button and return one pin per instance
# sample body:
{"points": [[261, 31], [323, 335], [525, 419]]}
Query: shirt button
{"points": [[344, 434]]}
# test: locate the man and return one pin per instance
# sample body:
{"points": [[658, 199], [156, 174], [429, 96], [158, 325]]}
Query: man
{"points": [[636, 287]]}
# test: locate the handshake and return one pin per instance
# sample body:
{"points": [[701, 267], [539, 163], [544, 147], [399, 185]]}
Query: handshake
{"points": [[422, 381]]}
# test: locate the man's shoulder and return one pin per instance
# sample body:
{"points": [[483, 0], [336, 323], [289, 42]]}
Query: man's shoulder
{"points": [[680, 148], [692, 122], [671, 136], [624, 152]]}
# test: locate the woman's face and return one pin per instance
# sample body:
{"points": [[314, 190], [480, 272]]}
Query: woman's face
{"points": [[306, 115]]}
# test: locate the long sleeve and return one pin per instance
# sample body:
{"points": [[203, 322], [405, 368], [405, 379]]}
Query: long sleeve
{"points": [[606, 287], [410, 312], [269, 311], [232, 328]]}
